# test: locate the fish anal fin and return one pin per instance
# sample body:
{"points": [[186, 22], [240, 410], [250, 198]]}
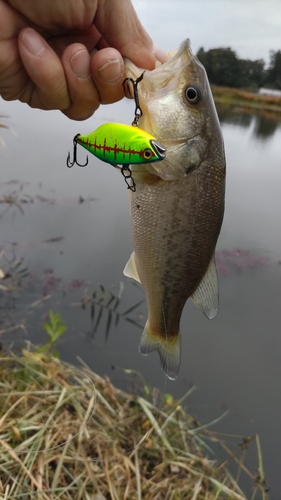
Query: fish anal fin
{"points": [[131, 269], [206, 296], [168, 350]]}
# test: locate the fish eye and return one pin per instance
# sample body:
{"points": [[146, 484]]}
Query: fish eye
{"points": [[147, 154], [193, 94]]}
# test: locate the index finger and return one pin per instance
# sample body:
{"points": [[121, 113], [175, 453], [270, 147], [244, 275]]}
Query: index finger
{"points": [[119, 24], [12, 73]]}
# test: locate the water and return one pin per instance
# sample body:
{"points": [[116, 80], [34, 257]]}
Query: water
{"points": [[75, 233], [70, 245]]}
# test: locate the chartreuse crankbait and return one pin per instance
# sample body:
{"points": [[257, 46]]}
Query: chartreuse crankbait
{"points": [[121, 145]]}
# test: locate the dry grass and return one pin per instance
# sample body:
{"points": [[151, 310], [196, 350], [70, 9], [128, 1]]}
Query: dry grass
{"points": [[70, 434]]}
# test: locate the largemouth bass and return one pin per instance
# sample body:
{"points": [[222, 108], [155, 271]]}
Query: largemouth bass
{"points": [[177, 209]]}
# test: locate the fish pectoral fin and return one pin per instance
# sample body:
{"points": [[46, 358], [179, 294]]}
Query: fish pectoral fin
{"points": [[206, 296], [131, 269], [168, 350]]}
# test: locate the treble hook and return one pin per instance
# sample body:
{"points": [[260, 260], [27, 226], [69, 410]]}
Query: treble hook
{"points": [[68, 162], [138, 111]]}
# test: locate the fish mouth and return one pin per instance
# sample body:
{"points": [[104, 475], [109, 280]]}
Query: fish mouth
{"points": [[159, 149], [174, 59], [164, 77]]}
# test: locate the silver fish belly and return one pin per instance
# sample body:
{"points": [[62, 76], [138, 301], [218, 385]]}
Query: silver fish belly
{"points": [[178, 206]]}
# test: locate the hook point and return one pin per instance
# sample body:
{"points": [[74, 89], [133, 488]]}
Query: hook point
{"points": [[70, 163]]}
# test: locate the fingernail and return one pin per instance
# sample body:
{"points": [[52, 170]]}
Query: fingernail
{"points": [[33, 42], [80, 64], [110, 72], [159, 53]]}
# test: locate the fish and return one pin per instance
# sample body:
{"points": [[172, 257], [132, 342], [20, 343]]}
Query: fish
{"points": [[178, 206], [121, 144]]}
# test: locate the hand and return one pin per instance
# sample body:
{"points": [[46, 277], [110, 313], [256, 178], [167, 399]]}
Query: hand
{"points": [[68, 54]]}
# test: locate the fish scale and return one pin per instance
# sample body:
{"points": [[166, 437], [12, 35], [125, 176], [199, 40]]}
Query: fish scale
{"points": [[175, 260], [177, 209]]}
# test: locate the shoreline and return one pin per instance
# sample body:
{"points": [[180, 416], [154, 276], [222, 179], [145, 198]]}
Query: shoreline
{"points": [[67, 431], [238, 97]]}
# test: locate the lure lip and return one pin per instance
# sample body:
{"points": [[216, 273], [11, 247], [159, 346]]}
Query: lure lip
{"points": [[159, 149]]}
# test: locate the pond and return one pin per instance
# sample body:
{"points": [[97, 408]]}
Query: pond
{"points": [[70, 229]]}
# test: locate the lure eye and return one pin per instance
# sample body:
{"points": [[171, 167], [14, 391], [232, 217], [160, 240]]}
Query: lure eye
{"points": [[147, 154], [193, 94]]}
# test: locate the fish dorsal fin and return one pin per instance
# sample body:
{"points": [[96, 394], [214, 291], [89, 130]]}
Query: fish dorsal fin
{"points": [[206, 296], [131, 269]]}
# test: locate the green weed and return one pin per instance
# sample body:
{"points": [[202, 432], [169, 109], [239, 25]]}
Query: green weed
{"points": [[54, 328]]}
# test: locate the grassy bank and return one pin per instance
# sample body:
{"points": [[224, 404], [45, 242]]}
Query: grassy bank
{"points": [[231, 96], [70, 434]]}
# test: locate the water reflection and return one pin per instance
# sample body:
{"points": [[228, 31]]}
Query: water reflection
{"points": [[265, 127], [233, 116], [264, 123], [75, 233]]}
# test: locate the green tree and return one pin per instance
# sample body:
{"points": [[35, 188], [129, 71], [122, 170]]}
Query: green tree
{"points": [[252, 73], [222, 66], [226, 69], [273, 74]]}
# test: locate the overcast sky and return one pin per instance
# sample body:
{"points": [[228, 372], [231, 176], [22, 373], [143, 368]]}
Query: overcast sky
{"points": [[250, 27]]}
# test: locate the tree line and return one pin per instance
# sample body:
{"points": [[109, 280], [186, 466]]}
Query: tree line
{"points": [[226, 69]]}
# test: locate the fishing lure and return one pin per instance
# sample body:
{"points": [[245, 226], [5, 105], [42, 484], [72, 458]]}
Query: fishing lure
{"points": [[121, 145]]}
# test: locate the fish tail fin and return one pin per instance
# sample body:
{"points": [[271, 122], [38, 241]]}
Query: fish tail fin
{"points": [[168, 350]]}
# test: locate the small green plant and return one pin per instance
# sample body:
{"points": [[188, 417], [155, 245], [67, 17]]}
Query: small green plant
{"points": [[55, 327]]}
